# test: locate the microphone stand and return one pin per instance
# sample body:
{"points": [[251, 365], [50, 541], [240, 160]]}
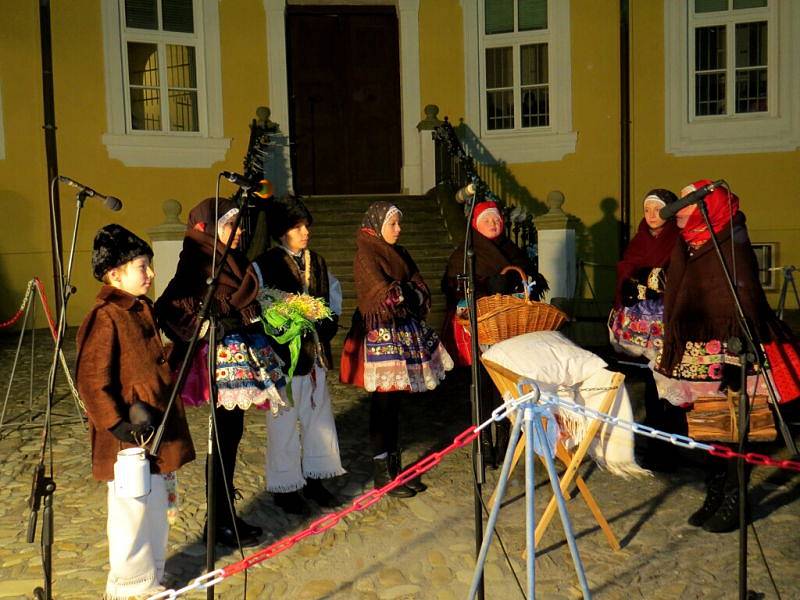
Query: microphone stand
{"points": [[213, 446], [43, 486], [478, 464], [749, 352]]}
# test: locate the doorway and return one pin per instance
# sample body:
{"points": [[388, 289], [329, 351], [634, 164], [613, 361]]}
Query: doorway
{"points": [[344, 99]]}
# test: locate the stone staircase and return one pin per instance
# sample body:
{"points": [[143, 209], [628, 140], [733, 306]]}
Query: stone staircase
{"points": [[336, 220]]}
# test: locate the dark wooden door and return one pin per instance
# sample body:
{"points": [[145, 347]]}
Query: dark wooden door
{"points": [[344, 82]]}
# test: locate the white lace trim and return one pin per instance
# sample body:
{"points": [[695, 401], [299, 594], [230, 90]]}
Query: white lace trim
{"points": [[398, 375], [244, 398]]}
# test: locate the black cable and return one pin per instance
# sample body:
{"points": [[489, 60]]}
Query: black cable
{"points": [[764, 560]]}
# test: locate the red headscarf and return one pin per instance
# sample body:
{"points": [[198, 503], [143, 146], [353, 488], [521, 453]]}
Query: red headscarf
{"points": [[722, 204], [482, 207]]}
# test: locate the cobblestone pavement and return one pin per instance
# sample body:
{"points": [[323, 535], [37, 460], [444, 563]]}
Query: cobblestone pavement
{"points": [[398, 549]]}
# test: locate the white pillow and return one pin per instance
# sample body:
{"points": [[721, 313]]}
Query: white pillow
{"points": [[546, 357]]}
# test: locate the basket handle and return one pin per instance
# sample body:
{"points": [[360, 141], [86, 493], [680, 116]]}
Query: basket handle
{"points": [[522, 276]]}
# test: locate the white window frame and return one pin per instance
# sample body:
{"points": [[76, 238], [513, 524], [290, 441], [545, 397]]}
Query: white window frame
{"points": [[141, 148], [776, 130], [528, 144]]}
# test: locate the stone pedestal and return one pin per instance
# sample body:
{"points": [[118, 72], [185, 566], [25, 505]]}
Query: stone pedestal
{"points": [[167, 240], [427, 148], [556, 246]]}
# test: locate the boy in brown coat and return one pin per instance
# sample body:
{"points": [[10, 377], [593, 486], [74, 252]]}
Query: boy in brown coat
{"points": [[124, 379]]}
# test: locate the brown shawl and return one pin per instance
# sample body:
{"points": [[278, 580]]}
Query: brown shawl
{"points": [[491, 256], [235, 298], [697, 302], [381, 270]]}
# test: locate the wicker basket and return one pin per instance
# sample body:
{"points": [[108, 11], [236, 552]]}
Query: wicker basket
{"points": [[501, 317], [716, 418]]}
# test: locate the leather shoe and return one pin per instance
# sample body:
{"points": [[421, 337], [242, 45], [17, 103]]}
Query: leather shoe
{"points": [[317, 492], [247, 529], [292, 503], [226, 536]]}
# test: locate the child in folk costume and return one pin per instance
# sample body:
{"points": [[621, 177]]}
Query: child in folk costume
{"points": [[302, 445], [123, 377], [247, 370], [389, 349]]}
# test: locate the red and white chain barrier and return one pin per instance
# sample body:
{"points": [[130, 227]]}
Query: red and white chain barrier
{"points": [[465, 437]]}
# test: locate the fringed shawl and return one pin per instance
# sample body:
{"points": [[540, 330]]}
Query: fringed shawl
{"points": [[379, 268], [697, 302]]}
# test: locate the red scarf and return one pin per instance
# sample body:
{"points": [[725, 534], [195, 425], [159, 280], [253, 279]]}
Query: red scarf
{"points": [[646, 250], [722, 204]]}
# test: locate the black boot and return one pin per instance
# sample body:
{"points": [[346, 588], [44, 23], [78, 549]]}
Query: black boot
{"points": [[396, 466], [715, 494], [727, 516], [382, 477], [292, 503], [317, 492]]}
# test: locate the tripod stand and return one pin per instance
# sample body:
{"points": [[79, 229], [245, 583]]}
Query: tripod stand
{"points": [[536, 441], [788, 279], [33, 292]]}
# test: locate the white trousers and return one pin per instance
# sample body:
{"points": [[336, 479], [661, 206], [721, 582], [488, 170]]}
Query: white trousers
{"points": [[301, 440], [137, 530]]}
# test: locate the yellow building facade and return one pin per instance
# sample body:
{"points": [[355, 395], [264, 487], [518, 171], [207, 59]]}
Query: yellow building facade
{"points": [[445, 52]]}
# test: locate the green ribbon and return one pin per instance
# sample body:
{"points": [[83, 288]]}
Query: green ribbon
{"points": [[287, 329]]}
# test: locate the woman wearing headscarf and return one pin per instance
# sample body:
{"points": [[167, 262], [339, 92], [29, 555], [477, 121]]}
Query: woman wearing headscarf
{"points": [[493, 253], [389, 349], [700, 317], [247, 371], [636, 323], [302, 444]]}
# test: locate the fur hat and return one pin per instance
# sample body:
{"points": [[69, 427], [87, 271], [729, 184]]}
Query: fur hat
{"points": [[285, 214], [114, 246]]}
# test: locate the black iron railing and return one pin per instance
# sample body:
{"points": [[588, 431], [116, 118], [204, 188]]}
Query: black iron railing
{"points": [[455, 169]]}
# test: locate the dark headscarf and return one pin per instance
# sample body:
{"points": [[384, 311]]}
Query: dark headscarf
{"points": [[376, 216]]}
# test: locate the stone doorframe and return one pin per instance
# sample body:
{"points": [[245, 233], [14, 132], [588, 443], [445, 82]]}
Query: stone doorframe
{"points": [[410, 109]]}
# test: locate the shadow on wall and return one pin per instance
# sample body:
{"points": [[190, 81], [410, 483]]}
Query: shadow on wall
{"points": [[497, 175], [598, 247]]}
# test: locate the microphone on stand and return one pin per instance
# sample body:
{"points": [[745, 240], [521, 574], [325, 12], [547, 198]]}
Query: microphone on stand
{"points": [[464, 195], [111, 202], [262, 188], [670, 210]]}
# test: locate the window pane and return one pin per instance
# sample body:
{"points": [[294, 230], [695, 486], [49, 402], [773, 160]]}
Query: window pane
{"points": [[500, 109], [533, 64], [535, 107], [177, 15], [709, 94], [183, 111], [499, 16], [181, 67], [143, 64], [751, 44], [702, 6], [141, 14], [499, 68], [145, 109], [751, 91], [532, 14], [737, 4], [709, 48]]}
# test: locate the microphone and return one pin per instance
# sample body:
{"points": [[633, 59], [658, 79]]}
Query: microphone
{"points": [[262, 188], [694, 197], [464, 194], [111, 202]]}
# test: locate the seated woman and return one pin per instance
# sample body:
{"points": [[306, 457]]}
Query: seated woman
{"points": [[700, 317], [493, 253], [636, 323], [389, 350]]}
